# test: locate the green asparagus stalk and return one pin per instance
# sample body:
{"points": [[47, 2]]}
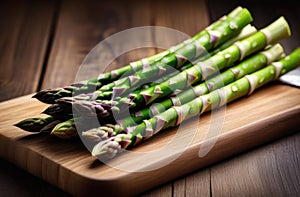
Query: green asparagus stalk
{"points": [[246, 31], [212, 36], [201, 71], [176, 115], [34, 124], [248, 66]]}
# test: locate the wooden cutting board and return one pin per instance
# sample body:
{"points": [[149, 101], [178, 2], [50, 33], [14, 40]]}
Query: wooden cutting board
{"points": [[270, 113]]}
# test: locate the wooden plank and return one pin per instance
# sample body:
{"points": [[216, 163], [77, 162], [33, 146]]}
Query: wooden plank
{"points": [[25, 31], [82, 25], [194, 19], [161, 191], [272, 170], [196, 184], [68, 165]]}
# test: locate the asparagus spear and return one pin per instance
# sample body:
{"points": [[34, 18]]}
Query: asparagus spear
{"points": [[34, 124], [49, 96], [247, 66], [272, 33], [176, 115]]}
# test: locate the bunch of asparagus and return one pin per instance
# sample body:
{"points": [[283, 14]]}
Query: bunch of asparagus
{"points": [[226, 61]]}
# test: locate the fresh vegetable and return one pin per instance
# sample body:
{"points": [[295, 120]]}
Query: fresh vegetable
{"points": [[34, 124], [65, 130], [177, 114], [247, 66]]}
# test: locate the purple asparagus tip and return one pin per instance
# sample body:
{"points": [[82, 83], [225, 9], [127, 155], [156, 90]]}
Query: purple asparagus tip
{"points": [[87, 108]]}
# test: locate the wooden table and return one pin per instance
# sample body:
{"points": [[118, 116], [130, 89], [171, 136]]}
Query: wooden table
{"points": [[43, 43]]}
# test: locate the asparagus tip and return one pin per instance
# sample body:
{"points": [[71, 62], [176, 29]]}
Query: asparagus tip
{"points": [[65, 130], [98, 134], [32, 124], [44, 96], [17, 125], [39, 95], [106, 149]]}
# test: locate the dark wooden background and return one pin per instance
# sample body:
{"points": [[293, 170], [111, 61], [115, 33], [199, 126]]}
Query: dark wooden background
{"points": [[42, 44]]}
